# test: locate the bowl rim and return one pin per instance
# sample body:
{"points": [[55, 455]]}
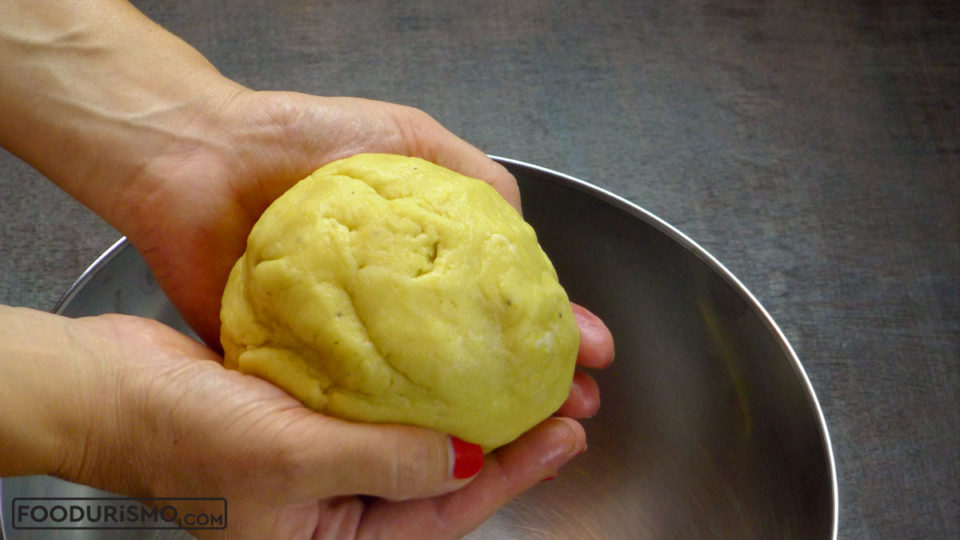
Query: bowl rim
{"points": [[700, 252]]}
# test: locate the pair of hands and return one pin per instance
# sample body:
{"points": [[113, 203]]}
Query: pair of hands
{"points": [[206, 209], [134, 407]]}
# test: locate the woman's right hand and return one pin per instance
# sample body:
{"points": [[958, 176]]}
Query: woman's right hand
{"points": [[131, 406]]}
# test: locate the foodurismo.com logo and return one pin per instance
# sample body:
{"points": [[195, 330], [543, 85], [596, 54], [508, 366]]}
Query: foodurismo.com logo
{"points": [[119, 513]]}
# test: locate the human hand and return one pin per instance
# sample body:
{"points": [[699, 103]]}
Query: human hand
{"points": [[191, 206], [149, 412]]}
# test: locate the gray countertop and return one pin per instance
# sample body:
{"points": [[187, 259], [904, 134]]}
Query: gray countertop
{"points": [[812, 147]]}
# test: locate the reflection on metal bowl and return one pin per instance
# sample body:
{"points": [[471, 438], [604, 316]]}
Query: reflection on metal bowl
{"points": [[708, 428]]}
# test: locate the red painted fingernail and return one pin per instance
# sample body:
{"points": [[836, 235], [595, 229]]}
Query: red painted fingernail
{"points": [[467, 458]]}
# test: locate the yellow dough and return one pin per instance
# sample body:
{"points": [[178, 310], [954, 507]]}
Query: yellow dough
{"points": [[384, 288]]}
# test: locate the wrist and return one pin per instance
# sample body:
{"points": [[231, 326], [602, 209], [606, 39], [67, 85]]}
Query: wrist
{"points": [[46, 386], [75, 401], [90, 91]]}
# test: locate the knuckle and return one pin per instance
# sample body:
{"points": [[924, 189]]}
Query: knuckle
{"points": [[418, 469]]}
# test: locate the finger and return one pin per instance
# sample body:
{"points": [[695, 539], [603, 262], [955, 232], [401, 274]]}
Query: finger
{"points": [[476, 164], [513, 469], [584, 398], [394, 462], [596, 341], [428, 139]]}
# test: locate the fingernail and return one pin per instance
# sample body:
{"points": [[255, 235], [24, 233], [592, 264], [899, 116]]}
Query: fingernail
{"points": [[467, 458]]}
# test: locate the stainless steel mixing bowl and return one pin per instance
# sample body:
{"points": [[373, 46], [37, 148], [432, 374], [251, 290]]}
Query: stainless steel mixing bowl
{"points": [[709, 427]]}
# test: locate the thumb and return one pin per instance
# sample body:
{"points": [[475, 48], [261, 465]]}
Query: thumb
{"points": [[428, 139], [389, 461]]}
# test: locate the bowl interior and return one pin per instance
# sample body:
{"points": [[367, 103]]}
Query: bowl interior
{"points": [[708, 425]]}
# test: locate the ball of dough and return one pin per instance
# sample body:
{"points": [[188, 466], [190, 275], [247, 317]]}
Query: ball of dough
{"points": [[383, 288]]}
